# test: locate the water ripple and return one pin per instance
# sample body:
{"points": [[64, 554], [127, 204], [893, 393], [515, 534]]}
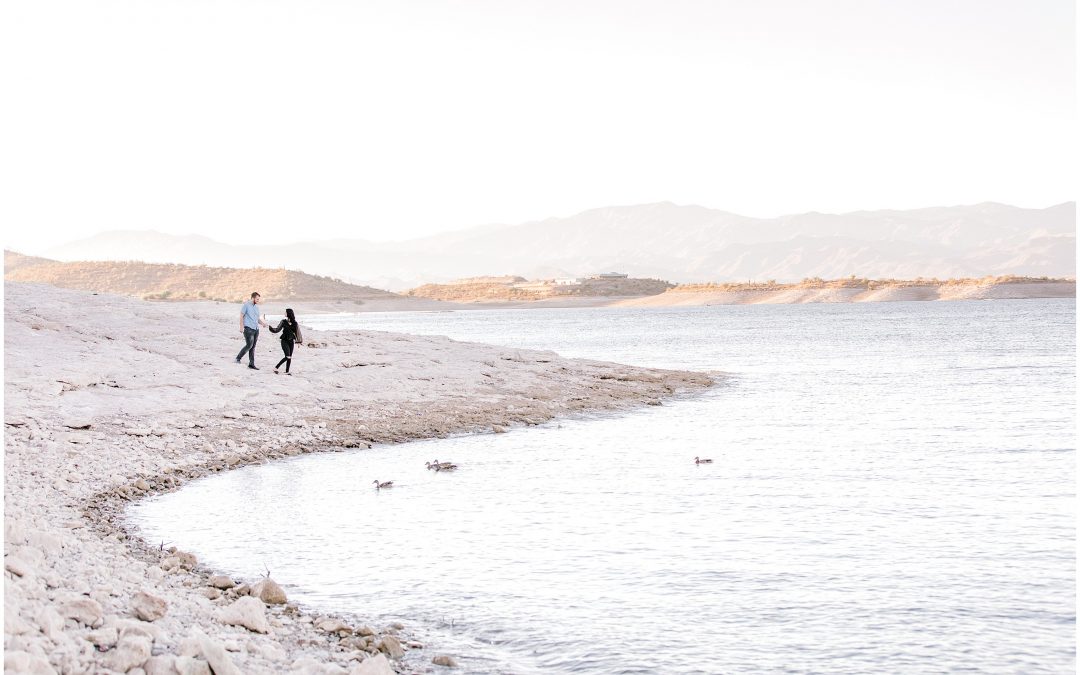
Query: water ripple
{"points": [[893, 490]]}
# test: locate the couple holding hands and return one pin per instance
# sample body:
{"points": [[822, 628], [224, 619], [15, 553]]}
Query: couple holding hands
{"points": [[251, 319]]}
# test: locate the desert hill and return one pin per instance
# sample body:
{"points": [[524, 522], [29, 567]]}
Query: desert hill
{"points": [[14, 261], [683, 243], [510, 289], [184, 282]]}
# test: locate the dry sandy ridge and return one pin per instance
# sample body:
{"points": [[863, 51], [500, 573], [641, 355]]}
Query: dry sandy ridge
{"points": [[993, 291], [108, 399]]}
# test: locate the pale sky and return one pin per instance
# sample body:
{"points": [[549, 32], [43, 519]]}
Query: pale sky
{"points": [[286, 120]]}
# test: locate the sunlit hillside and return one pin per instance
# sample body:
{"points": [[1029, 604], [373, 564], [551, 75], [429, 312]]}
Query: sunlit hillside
{"points": [[183, 282]]}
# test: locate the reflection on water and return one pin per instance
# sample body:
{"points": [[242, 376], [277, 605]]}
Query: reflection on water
{"points": [[892, 490]]}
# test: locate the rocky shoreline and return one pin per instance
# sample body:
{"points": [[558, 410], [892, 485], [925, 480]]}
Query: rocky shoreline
{"points": [[110, 399]]}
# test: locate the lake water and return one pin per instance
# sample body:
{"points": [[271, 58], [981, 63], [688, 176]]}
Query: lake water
{"points": [[892, 490]]}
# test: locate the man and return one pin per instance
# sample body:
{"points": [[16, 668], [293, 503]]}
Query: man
{"points": [[249, 326]]}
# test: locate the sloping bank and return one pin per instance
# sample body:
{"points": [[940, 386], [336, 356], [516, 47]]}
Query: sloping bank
{"points": [[109, 399]]}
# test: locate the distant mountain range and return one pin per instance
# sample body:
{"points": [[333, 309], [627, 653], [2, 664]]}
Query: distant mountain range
{"points": [[683, 244]]}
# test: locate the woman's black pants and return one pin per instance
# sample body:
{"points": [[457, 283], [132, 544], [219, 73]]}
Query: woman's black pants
{"points": [[286, 347]]}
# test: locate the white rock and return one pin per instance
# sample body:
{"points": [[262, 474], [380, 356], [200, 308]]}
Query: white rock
{"points": [[214, 653], [444, 660], [248, 612], [45, 541], [187, 665], [390, 646], [31, 554], [140, 629], [14, 532], [23, 662], [305, 665], [270, 651], [50, 622], [331, 625], [155, 573], [221, 581], [164, 664], [269, 592], [131, 651], [77, 587], [376, 665], [189, 646], [308, 665], [104, 638], [148, 607], [84, 610], [14, 624], [18, 566]]}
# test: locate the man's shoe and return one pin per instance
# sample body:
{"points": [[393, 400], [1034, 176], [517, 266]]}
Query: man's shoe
{"points": [[238, 360], [252, 367]]}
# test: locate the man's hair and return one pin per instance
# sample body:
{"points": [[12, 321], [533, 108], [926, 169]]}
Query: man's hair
{"points": [[256, 294]]}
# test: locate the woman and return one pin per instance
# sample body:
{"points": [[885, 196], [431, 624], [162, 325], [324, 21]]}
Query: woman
{"points": [[290, 335]]}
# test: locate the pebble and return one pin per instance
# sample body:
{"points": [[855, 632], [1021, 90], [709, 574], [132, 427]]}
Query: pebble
{"points": [[331, 625], [249, 612], [269, 592], [84, 610], [131, 651], [148, 607], [376, 665], [390, 646], [217, 656]]}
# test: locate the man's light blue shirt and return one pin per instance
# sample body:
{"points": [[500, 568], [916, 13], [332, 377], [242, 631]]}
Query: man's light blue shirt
{"points": [[251, 315]]}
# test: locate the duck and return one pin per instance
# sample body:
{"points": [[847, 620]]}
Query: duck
{"points": [[379, 486], [698, 460], [443, 466], [431, 467]]}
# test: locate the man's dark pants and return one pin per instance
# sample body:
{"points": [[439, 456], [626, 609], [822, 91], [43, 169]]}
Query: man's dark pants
{"points": [[251, 336]]}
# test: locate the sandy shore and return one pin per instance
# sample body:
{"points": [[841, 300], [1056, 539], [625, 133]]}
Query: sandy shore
{"points": [[675, 298], [109, 399], [994, 291]]}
